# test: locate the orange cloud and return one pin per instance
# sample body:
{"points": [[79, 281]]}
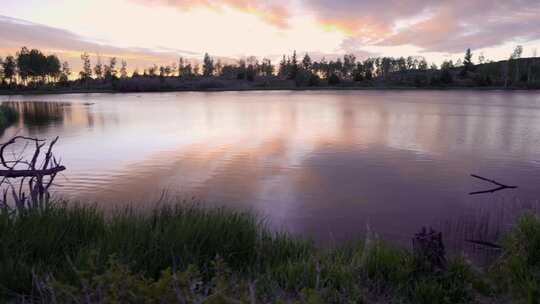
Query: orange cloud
{"points": [[17, 33], [276, 14], [364, 27]]}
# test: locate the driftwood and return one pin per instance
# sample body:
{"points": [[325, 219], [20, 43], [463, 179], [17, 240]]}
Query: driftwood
{"points": [[499, 187], [27, 181], [429, 252]]}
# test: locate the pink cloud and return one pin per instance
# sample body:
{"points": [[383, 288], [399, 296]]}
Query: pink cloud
{"points": [[450, 26], [275, 13]]}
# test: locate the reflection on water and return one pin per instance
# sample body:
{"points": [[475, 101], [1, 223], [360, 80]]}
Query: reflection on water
{"points": [[39, 115], [323, 164]]}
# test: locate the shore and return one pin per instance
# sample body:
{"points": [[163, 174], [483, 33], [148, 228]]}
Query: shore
{"points": [[241, 89]]}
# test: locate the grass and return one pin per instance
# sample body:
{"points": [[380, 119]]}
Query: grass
{"points": [[518, 270], [187, 254]]}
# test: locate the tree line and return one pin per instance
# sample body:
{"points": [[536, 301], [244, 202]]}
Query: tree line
{"points": [[33, 68]]}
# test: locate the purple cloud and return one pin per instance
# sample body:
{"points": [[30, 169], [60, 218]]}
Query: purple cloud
{"points": [[443, 26]]}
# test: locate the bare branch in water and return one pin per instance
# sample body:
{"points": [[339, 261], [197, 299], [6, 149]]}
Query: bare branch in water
{"points": [[499, 187], [485, 243], [27, 182]]}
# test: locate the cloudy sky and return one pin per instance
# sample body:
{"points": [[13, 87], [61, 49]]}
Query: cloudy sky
{"points": [[147, 31]]}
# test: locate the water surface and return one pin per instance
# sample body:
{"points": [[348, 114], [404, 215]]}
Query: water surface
{"points": [[322, 164]]}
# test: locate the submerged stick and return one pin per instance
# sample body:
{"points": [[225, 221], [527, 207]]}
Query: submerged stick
{"points": [[485, 243], [499, 187]]}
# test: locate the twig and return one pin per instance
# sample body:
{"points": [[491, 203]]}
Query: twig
{"points": [[485, 243], [499, 187]]}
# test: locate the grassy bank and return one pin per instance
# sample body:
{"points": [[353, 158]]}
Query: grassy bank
{"points": [[185, 254]]}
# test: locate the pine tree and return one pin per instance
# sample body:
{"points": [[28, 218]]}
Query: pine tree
{"points": [[293, 71], [467, 62]]}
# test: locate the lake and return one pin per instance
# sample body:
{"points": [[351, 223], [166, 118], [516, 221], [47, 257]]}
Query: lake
{"points": [[325, 164]]}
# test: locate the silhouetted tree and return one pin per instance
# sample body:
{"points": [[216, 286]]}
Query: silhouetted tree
{"points": [[187, 70], [324, 68], [447, 64], [162, 72], [217, 67], [123, 70], [467, 63], [446, 75], [358, 72], [306, 62], [516, 54], [333, 79], [349, 61], [402, 64], [109, 70], [241, 69], [53, 67], [411, 63], [422, 64], [369, 65], [481, 58], [23, 64], [152, 71], [293, 69], [9, 68], [208, 65], [86, 72], [98, 68], [180, 67], [167, 70], [267, 69], [34, 65], [65, 73], [283, 68]]}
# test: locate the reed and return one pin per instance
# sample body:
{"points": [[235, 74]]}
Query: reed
{"points": [[187, 254]]}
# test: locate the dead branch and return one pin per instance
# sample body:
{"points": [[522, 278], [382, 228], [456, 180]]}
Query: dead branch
{"points": [[31, 173], [499, 187], [27, 181], [485, 243]]}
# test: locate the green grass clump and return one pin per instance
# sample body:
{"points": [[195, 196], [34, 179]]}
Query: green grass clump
{"points": [[39, 242], [518, 269], [186, 254]]}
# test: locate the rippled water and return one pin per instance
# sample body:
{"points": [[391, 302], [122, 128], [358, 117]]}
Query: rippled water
{"points": [[323, 164]]}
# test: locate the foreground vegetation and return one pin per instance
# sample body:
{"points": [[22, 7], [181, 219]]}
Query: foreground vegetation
{"points": [[187, 254]]}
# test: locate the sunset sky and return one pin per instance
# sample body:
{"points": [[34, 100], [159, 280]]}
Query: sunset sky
{"points": [[159, 31]]}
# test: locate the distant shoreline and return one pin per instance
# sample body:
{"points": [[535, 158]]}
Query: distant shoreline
{"points": [[327, 88]]}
